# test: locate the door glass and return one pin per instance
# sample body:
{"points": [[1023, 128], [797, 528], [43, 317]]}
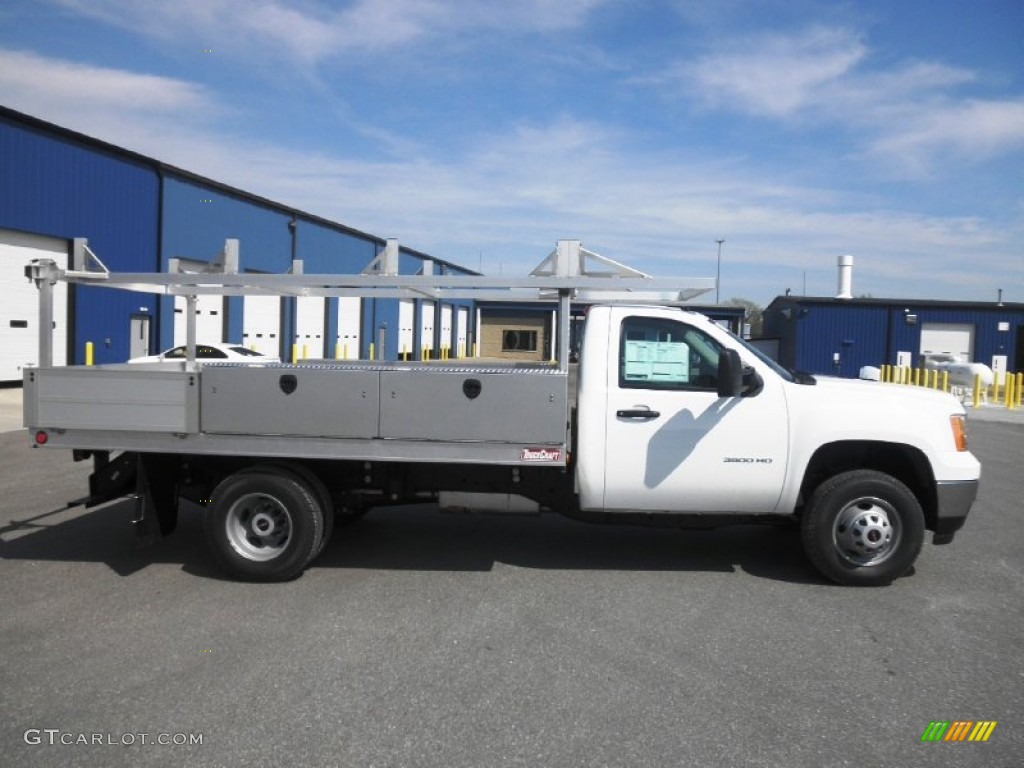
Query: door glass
{"points": [[656, 353]]}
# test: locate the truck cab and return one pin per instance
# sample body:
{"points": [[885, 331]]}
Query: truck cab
{"points": [[670, 424]]}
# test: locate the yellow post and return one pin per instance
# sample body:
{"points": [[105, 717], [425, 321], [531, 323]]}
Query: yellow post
{"points": [[945, 381], [344, 351], [1011, 393], [337, 350], [405, 353], [977, 390], [995, 387], [883, 371], [371, 351], [295, 353], [88, 353], [305, 351], [1020, 389], [917, 377], [474, 349]]}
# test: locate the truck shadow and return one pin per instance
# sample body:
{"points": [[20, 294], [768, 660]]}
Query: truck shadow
{"points": [[422, 539]]}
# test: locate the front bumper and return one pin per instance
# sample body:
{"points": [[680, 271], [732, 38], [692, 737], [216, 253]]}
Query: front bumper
{"points": [[954, 502]]}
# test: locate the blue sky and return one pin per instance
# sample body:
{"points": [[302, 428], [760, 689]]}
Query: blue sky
{"points": [[481, 132]]}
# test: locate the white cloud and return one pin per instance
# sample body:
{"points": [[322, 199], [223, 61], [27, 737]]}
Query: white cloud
{"points": [[906, 117], [776, 75], [512, 194], [38, 84], [310, 32], [974, 128]]}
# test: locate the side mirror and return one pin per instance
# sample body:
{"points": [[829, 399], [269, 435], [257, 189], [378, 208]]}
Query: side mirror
{"points": [[730, 374]]}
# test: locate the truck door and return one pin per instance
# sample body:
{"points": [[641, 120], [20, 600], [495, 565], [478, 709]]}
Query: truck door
{"points": [[673, 445]]}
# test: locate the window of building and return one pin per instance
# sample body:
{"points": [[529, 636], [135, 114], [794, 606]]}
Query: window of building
{"points": [[518, 341]]}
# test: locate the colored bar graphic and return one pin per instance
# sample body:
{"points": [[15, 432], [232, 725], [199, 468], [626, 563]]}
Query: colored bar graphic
{"points": [[959, 730], [982, 730]]}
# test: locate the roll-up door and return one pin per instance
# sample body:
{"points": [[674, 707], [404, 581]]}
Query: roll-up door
{"points": [[19, 310], [261, 324], [350, 310]]}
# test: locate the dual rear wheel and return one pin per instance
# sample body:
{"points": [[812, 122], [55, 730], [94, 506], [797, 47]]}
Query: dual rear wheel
{"points": [[268, 522]]}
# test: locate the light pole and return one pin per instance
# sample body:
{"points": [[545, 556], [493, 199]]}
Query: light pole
{"points": [[718, 274]]}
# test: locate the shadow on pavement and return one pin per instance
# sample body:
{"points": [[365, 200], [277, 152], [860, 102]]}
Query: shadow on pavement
{"points": [[422, 539]]}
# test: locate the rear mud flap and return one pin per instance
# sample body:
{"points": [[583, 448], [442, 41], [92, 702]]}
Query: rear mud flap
{"points": [[156, 503]]}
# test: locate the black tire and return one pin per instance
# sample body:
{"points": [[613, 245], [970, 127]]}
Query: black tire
{"points": [[316, 487], [263, 526], [862, 528]]}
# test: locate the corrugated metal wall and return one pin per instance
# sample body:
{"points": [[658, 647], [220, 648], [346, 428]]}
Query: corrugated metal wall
{"points": [[52, 184], [138, 214], [811, 331]]}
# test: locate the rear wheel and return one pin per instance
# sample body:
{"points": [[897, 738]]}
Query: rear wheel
{"points": [[863, 528], [263, 526], [316, 487]]}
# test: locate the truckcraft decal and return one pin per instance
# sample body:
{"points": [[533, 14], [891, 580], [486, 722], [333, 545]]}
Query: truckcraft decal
{"points": [[540, 454], [746, 460]]}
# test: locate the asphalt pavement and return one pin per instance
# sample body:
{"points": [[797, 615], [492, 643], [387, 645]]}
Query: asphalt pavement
{"points": [[426, 639]]}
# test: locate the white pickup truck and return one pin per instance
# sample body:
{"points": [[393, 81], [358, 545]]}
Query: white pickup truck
{"points": [[674, 421]]}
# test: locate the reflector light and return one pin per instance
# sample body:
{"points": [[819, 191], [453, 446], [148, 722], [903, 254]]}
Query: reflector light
{"points": [[41, 438], [959, 432]]}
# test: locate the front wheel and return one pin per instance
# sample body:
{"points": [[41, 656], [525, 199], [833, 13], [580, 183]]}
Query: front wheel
{"points": [[862, 528], [263, 526]]}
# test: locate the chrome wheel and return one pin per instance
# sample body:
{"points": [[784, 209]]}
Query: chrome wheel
{"points": [[866, 531], [258, 526]]}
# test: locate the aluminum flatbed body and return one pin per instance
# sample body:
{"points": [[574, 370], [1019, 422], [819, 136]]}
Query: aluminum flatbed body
{"points": [[410, 412]]}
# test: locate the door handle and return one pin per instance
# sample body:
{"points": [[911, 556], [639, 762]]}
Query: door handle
{"points": [[638, 413]]}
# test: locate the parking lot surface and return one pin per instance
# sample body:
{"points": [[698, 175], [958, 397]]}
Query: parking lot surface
{"points": [[423, 639]]}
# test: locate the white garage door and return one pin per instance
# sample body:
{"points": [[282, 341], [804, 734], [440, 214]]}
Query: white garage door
{"points": [[309, 325], [261, 324], [463, 333], [446, 326], [350, 310], [949, 339], [427, 328], [406, 321], [19, 310], [209, 320]]}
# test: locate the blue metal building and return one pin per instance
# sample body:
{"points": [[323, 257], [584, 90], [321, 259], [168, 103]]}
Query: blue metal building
{"points": [[138, 213], [839, 336]]}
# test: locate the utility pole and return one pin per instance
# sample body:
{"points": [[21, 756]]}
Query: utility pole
{"points": [[718, 274]]}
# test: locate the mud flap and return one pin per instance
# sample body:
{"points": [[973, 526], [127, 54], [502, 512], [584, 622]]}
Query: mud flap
{"points": [[156, 502]]}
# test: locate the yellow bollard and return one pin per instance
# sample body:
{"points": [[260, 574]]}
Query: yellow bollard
{"points": [[337, 350], [474, 350], [995, 387], [305, 351], [1011, 394], [1020, 389], [977, 390], [371, 351], [344, 351], [88, 353], [883, 373], [945, 381], [917, 377], [295, 353], [405, 353]]}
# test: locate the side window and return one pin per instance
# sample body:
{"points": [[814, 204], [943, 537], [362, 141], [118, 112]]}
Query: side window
{"points": [[210, 353], [656, 353]]}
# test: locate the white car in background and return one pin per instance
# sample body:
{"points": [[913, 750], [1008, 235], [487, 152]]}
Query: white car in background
{"points": [[223, 353]]}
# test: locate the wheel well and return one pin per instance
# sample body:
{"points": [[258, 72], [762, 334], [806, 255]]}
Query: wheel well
{"points": [[904, 462]]}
